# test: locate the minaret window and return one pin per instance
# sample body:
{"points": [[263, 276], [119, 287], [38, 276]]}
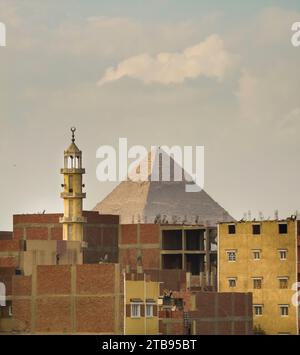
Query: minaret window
{"points": [[70, 231], [71, 183], [71, 208]]}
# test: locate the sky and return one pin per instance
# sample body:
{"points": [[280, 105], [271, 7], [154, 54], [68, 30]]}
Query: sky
{"points": [[219, 74]]}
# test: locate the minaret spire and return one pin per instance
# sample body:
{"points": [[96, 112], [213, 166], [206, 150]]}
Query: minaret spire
{"points": [[73, 130]]}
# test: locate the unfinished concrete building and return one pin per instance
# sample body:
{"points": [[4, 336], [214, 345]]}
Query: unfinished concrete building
{"points": [[164, 247]]}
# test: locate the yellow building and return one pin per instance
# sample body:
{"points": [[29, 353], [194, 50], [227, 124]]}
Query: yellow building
{"points": [[140, 303], [261, 257], [73, 196]]}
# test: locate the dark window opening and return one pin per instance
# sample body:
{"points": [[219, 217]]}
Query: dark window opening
{"points": [[213, 260], [179, 304], [231, 229], [195, 263], [172, 261], [194, 239], [256, 229], [283, 228], [172, 240]]}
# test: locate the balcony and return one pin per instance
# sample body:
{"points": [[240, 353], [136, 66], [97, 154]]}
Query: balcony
{"points": [[73, 195], [73, 219], [72, 171]]}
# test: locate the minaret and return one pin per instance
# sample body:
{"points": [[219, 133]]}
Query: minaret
{"points": [[73, 196]]}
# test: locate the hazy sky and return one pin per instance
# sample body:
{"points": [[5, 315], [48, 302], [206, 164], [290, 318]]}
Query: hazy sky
{"points": [[213, 73]]}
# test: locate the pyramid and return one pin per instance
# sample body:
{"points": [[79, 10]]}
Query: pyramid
{"points": [[165, 202]]}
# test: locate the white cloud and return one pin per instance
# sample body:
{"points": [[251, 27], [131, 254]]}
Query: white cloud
{"points": [[208, 58]]}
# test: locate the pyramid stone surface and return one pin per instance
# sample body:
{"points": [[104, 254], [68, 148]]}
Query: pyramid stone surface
{"points": [[162, 201]]}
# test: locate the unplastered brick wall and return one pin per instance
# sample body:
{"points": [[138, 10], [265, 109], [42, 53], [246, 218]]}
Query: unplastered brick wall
{"points": [[100, 232], [171, 323], [69, 299], [139, 241], [9, 253], [37, 227], [222, 313], [6, 235]]}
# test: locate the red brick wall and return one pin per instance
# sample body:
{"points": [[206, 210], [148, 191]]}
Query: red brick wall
{"points": [[100, 232], [21, 285], [102, 240], [9, 261], [37, 233], [140, 236], [36, 218], [22, 314], [53, 279], [128, 257], [150, 258], [128, 234], [230, 313], [6, 235], [9, 245], [6, 274], [93, 217], [53, 315], [149, 233], [93, 298], [95, 314], [95, 279], [18, 233], [57, 233]]}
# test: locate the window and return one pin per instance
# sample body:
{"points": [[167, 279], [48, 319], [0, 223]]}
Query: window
{"points": [[70, 231], [257, 283], [231, 228], [283, 282], [71, 183], [282, 228], [284, 310], [232, 282], [70, 208], [149, 310], [135, 310], [256, 229], [231, 255], [258, 309], [256, 254], [282, 254]]}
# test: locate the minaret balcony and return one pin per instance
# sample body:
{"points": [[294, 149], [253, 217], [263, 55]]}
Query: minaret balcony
{"points": [[80, 219], [72, 171], [73, 195]]}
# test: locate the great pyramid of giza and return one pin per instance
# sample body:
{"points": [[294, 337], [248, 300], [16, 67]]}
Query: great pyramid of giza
{"points": [[165, 202]]}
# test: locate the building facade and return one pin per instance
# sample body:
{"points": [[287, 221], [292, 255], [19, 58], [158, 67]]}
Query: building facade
{"points": [[141, 305], [261, 257]]}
